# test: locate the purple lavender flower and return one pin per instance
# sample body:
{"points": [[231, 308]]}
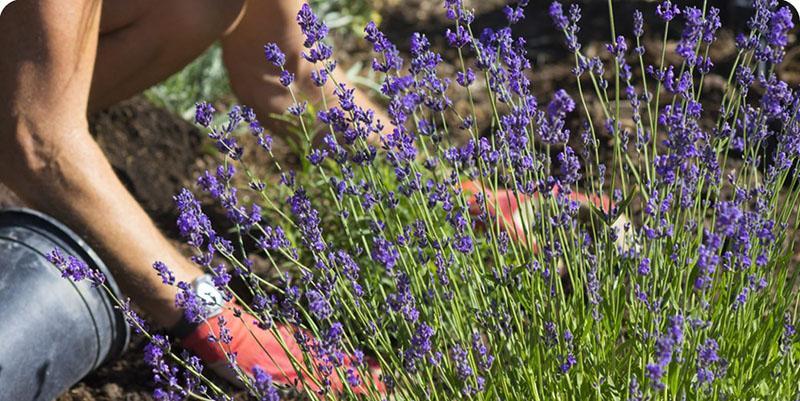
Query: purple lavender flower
{"points": [[638, 23], [75, 268], [262, 382], [308, 220], [134, 320], [318, 305], [402, 300], [420, 347], [551, 127], [568, 363], [317, 156], [297, 109], [460, 358], [561, 104], [570, 166], [515, 14], [204, 114], [286, 78], [618, 49], [222, 136], [567, 24], [557, 14], [319, 77], [481, 353], [593, 292], [707, 261], [667, 11], [465, 78], [154, 356], [644, 267], [709, 364], [385, 253], [464, 244], [728, 218], [224, 332], [164, 272], [788, 337], [455, 11], [776, 32], [312, 27], [777, 98], [711, 25], [458, 38], [666, 345], [691, 35], [194, 309], [274, 55], [221, 278], [274, 239], [634, 391], [159, 394], [741, 298]]}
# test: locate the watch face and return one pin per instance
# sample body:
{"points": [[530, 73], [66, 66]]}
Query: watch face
{"points": [[210, 295]]}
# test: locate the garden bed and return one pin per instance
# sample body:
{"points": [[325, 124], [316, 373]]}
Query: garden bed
{"points": [[156, 153]]}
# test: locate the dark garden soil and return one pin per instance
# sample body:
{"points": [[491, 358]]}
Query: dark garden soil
{"points": [[156, 153], [153, 152]]}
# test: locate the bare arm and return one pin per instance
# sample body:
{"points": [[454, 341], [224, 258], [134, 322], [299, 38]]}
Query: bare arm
{"points": [[52, 162]]}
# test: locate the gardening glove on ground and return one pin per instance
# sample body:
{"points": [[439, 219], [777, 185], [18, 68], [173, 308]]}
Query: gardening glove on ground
{"points": [[235, 332], [511, 210]]}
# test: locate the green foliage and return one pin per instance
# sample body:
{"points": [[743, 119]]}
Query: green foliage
{"points": [[352, 15], [204, 78]]}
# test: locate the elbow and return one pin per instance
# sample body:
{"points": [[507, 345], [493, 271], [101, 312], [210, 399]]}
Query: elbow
{"points": [[31, 153], [22, 151]]}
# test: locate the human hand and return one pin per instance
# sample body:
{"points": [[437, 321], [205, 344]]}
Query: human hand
{"points": [[513, 211], [274, 352]]}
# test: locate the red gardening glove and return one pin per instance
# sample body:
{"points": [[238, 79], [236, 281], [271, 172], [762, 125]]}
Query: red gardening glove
{"points": [[256, 347], [512, 206]]}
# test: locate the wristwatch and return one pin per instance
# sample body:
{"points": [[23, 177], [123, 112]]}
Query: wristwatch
{"points": [[209, 294], [212, 300]]}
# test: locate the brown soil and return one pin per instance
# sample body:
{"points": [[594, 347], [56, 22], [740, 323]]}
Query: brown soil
{"points": [[153, 152]]}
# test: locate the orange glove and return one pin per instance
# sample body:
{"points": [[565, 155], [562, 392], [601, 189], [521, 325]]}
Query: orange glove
{"points": [[512, 205], [255, 347]]}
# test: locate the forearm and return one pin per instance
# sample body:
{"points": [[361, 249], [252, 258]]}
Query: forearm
{"points": [[75, 183], [52, 162]]}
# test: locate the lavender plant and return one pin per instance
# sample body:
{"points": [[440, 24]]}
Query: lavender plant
{"points": [[664, 274]]}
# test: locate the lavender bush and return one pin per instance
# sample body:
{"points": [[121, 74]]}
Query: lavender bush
{"points": [[681, 286]]}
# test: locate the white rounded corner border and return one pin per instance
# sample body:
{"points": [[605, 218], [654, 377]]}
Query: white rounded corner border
{"points": [[3, 4], [794, 3]]}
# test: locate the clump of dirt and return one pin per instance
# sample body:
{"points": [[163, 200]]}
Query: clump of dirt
{"points": [[127, 378]]}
